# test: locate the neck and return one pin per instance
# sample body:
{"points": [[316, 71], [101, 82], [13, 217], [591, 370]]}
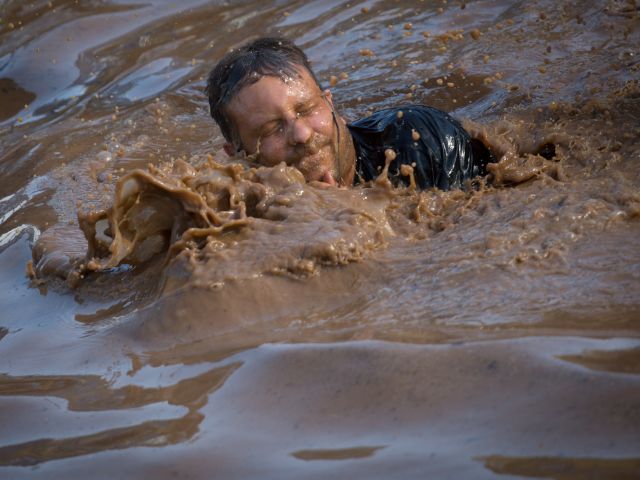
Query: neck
{"points": [[345, 155]]}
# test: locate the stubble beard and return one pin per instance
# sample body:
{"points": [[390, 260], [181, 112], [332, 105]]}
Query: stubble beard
{"points": [[315, 157]]}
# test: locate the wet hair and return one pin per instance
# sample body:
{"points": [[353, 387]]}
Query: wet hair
{"points": [[270, 56]]}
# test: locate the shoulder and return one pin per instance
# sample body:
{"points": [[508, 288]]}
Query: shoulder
{"points": [[404, 115]]}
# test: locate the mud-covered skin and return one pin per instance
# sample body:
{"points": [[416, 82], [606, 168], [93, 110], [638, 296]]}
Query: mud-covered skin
{"points": [[292, 121], [474, 334]]}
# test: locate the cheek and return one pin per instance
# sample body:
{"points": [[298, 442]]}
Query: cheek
{"points": [[271, 153], [322, 123]]}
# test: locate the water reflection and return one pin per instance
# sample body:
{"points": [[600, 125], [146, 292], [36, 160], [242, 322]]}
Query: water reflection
{"points": [[149, 80], [94, 394], [60, 41]]}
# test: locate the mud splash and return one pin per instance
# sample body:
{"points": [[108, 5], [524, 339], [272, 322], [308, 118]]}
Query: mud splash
{"points": [[212, 219]]}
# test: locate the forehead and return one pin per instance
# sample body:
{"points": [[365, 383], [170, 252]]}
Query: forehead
{"points": [[271, 96]]}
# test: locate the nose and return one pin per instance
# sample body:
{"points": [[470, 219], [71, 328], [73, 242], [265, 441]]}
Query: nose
{"points": [[300, 132]]}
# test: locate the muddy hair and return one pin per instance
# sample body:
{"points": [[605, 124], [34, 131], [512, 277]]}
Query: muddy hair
{"points": [[270, 56]]}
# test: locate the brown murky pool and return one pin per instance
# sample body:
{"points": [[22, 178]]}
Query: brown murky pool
{"points": [[281, 330]]}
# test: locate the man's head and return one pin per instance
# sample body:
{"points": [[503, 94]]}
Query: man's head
{"points": [[267, 101]]}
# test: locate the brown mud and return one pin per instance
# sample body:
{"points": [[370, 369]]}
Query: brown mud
{"points": [[170, 312]]}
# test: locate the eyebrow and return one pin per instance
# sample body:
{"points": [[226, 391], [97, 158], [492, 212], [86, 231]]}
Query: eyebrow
{"points": [[305, 102]]}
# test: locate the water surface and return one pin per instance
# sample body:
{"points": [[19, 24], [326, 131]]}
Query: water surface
{"points": [[322, 333]]}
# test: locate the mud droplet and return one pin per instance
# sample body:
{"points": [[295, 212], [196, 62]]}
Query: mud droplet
{"points": [[415, 135], [407, 171], [390, 154], [399, 115], [475, 34], [333, 80]]}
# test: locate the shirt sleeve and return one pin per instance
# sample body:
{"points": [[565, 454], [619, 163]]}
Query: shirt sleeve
{"points": [[427, 139]]}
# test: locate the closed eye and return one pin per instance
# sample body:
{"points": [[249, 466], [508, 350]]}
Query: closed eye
{"points": [[272, 128], [306, 109]]}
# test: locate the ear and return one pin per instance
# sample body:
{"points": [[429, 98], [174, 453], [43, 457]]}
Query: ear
{"points": [[229, 149], [328, 96]]}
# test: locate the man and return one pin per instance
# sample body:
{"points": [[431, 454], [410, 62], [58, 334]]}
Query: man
{"points": [[268, 103]]}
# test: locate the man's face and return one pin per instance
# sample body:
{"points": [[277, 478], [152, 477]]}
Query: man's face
{"points": [[288, 121]]}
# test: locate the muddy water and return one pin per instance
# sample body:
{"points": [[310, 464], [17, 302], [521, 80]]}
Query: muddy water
{"points": [[226, 321]]}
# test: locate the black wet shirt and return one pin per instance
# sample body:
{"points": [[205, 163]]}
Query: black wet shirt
{"points": [[434, 144]]}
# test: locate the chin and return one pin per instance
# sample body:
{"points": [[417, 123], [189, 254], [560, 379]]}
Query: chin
{"points": [[314, 175], [314, 167]]}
